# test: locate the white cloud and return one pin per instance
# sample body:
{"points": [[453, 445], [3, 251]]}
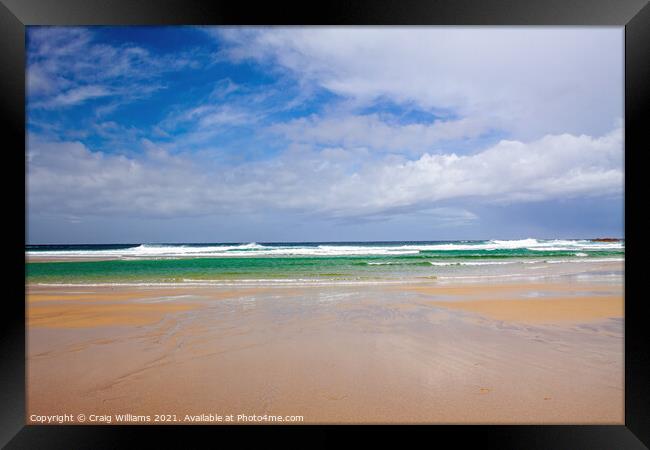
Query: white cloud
{"points": [[66, 67], [553, 167], [38, 81], [224, 116], [372, 131], [370, 153], [530, 81], [223, 88], [206, 121], [57, 41], [79, 95], [66, 178]]}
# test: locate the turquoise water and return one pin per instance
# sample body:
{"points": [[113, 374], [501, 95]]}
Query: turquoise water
{"points": [[179, 263]]}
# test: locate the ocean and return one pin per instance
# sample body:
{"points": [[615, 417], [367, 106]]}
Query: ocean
{"points": [[308, 262]]}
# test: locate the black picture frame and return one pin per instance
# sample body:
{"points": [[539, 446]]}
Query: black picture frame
{"points": [[634, 15]]}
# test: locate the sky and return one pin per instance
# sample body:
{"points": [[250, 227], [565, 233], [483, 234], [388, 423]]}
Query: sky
{"points": [[294, 134]]}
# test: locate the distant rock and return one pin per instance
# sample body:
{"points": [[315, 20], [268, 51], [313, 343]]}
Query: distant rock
{"points": [[606, 240]]}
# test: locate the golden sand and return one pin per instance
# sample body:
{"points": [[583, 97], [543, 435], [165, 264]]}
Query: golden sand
{"points": [[368, 354], [542, 310], [80, 315], [484, 289]]}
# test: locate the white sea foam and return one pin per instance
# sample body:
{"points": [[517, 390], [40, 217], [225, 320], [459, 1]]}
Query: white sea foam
{"points": [[598, 260], [480, 277], [255, 249], [473, 263]]}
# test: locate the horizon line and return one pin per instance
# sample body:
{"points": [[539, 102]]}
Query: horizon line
{"points": [[334, 242]]}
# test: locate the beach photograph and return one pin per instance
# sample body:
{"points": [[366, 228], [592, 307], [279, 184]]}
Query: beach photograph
{"points": [[324, 225]]}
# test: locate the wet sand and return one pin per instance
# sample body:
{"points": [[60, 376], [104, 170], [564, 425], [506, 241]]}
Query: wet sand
{"points": [[543, 352], [548, 310]]}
